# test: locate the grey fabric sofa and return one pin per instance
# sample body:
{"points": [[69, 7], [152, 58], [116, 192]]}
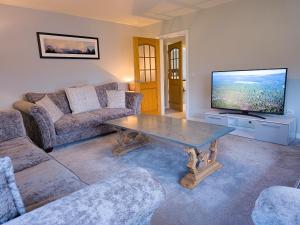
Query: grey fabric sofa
{"points": [[278, 205], [71, 127], [39, 177], [52, 194]]}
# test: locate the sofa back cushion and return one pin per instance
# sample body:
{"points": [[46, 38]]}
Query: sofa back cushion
{"points": [[11, 125], [59, 98], [101, 92]]}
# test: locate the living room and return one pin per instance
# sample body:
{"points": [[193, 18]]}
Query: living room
{"points": [[121, 157]]}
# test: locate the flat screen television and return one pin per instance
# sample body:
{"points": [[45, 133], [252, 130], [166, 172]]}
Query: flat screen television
{"points": [[260, 91]]}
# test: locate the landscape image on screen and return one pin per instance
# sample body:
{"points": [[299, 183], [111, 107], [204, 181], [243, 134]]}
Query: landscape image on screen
{"points": [[256, 91]]}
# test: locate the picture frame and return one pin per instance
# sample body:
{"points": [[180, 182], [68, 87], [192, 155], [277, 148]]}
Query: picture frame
{"points": [[63, 46]]}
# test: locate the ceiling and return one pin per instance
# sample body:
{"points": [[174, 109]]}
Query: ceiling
{"points": [[131, 12]]}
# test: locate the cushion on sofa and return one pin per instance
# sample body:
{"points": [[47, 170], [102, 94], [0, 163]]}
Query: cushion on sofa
{"points": [[59, 98], [74, 122], [115, 99], [46, 182], [101, 92], [54, 112], [11, 202], [82, 99], [23, 153]]}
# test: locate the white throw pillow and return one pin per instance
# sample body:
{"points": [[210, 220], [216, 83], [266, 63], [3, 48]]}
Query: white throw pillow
{"points": [[115, 99], [54, 112], [83, 99]]}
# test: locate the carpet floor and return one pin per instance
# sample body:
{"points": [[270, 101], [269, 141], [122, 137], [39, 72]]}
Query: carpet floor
{"points": [[226, 197]]}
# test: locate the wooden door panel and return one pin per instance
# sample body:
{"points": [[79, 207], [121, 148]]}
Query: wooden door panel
{"points": [[146, 73], [149, 105], [175, 76], [176, 94]]}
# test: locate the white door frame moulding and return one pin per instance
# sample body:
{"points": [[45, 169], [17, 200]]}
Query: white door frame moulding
{"points": [[162, 38]]}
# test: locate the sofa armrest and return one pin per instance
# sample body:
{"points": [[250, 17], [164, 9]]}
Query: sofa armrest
{"points": [[133, 101], [277, 205], [11, 125], [128, 198], [38, 123]]}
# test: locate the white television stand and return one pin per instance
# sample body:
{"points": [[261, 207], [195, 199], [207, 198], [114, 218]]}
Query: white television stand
{"points": [[275, 128]]}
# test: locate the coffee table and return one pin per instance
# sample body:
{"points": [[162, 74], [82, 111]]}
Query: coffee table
{"points": [[133, 133]]}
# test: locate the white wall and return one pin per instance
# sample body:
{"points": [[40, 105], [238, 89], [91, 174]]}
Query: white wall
{"points": [[22, 70], [242, 34]]}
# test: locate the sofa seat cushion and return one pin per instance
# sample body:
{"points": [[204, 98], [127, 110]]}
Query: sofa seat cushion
{"points": [[23, 153], [46, 182], [75, 122], [110, 114]]}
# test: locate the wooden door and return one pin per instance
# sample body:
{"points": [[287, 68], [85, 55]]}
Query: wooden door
{"points": [[146, 73], [175, 76]]}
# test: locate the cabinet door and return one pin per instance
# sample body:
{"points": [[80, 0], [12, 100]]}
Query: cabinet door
{"points": [[218, 120], [272, 132]]}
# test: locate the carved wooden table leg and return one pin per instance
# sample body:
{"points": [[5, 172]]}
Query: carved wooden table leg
{"points": [[201, 164], [129, 141]]}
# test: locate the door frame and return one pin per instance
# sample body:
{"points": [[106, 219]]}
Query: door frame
{"points": [[162, 38]]}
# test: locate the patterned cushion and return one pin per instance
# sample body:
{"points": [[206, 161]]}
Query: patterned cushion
{"points": [[59, 98], [11, 202], [54, 112], [83, 99], [101, 92], [115, 99]]}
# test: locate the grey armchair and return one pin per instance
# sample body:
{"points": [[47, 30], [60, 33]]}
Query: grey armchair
{"points": [[278, 206]]}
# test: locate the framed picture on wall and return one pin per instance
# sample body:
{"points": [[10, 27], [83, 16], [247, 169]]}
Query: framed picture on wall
{"points": [[67, 46]]}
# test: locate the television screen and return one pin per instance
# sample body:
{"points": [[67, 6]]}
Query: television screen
{"points": [[250, 91]]}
